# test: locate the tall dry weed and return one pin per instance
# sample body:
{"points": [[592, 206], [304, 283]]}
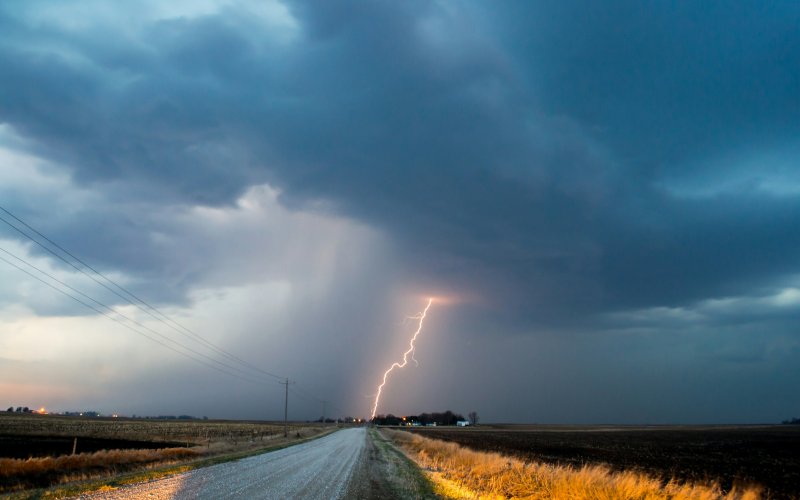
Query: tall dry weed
{"points": [[22, 469], [495, 475]]}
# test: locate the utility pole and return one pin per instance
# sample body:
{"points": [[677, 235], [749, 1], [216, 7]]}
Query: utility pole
{"points": [[286, 409]]}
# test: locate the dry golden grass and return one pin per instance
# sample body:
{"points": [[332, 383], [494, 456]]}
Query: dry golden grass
{"points": [[104, 459], [464, 473], [16, 473]]}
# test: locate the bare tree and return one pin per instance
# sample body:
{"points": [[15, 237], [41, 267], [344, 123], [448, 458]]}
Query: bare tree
{"points": [[473, 417]]}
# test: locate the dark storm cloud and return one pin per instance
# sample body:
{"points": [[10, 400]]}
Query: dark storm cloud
{"points": [[525, 153], [615, 183], [665, 83]]}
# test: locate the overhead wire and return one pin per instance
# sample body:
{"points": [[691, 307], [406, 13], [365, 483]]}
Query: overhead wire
{"points": [[117, 320], [148, 309], [310, 397], [120, 314], [304, 394], [140, 304]]}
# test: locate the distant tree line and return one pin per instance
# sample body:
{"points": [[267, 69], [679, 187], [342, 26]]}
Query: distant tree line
{"points": [[444, 418], [386, 420], [169, 417], [438, 418], [173, 417], [793, 421], [91, 413], [20, 409]]}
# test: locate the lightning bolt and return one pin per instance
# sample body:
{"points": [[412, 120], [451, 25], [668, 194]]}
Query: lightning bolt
{"points": [[421, 318]]}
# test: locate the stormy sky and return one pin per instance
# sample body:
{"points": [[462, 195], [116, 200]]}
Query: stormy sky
{"points": [[603, 197]]}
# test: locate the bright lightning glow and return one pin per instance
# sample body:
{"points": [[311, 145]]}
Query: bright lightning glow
{"points": [[421, 318]]}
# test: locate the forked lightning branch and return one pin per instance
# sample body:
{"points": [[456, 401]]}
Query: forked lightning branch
{"points": [[410, 351]]}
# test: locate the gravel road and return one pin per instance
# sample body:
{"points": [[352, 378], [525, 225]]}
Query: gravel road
{"points": [[321, 468]]}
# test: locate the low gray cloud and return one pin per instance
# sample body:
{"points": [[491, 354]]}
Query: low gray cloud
{"points": [[562, 166]]}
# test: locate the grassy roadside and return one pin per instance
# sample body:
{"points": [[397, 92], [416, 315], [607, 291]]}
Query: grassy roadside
{"points": [[403, 478], [114, 482]]}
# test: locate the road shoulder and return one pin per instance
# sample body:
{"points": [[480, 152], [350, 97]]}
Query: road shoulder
{"points": [[384, 472]]}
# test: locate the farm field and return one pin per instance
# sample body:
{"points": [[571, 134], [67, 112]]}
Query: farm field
{"points": [[766, 455], [36, 450], [153, 430]]}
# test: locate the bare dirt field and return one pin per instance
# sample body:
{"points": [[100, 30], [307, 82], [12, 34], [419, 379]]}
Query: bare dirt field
{"points": [[766, 455]]}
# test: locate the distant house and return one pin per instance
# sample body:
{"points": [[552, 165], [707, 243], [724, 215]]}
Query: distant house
{"points": [[462, 423], [411, 420]]}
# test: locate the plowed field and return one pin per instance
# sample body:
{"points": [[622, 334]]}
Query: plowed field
{"points": [[766, 455]]}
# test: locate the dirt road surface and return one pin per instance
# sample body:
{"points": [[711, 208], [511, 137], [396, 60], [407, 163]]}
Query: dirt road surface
{"points": [[321, 468]]}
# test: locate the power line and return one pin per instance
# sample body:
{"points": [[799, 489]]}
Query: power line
{"points": [[160, 316], [306, 395], [112, 310], [134, 300], [148, 309], [310, 397], [126, 325]]}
